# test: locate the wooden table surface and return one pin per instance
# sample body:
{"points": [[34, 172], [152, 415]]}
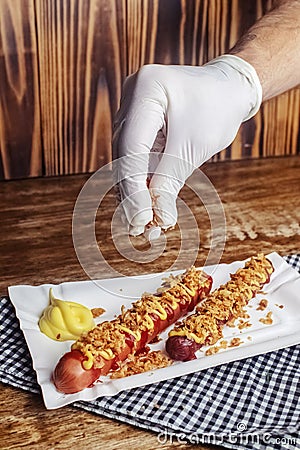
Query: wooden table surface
{"points": [[261, 203]]}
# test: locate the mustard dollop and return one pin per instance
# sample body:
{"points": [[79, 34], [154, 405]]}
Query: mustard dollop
{"points": [[62, 320]]}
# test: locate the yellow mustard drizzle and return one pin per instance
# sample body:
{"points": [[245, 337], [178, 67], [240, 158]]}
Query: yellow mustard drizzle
{"points": [[149, 322], [88, 363], [158, 309], [154, 304], [136, 334], [187, 334], [188, 290], [241, 288], [62, 320], [170, 301], [107, 354]]}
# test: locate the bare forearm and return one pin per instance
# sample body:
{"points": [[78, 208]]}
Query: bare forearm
{"points": [[272, 47]]}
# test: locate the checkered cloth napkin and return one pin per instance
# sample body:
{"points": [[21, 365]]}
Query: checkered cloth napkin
{"points": [[247, 404]]}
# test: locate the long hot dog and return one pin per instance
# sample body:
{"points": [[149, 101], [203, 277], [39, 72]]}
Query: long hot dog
{"points": [[98, 351], [225, 304]]}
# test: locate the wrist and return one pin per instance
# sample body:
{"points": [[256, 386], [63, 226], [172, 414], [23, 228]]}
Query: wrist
{"points": [[249, 72]]}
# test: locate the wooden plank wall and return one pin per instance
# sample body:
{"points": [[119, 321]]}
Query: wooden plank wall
{"points": [[63, 62], [20, 112]]}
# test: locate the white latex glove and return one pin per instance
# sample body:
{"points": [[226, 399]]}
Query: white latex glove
{"points": [[186, 113]]}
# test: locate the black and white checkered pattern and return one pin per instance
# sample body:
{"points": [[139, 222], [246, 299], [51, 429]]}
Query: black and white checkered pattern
{"points": [[247, 404]]}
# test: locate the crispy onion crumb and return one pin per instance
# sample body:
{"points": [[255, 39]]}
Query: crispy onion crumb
{"points": [[235, 342], [226, 304], [136, 364], [108, 338], [262, 305], [97, 312], [268, 319], [244, 324]]}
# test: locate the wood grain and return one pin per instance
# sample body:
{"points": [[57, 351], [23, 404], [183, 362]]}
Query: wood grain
{"points": [[80, 82], [20, 124], [34, 427], [63, 63], [262, 212], [259, 198]]}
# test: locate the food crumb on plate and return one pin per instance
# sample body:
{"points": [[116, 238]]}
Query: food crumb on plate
{"points": [[268, 319], [216, 348], [244, 324], [96, 312], [262, 305], [262, 292], [235, 342], [136, 364]]}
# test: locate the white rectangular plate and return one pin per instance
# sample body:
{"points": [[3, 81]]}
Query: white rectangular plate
{"points": [[110, 294]]}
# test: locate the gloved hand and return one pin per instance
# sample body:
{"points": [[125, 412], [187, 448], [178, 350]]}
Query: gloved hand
{"points": [[183, 115]]}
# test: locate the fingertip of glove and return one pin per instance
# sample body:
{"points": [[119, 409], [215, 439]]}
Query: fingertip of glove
{"points": [[152, 233], [136, 231], [166, 219]]}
